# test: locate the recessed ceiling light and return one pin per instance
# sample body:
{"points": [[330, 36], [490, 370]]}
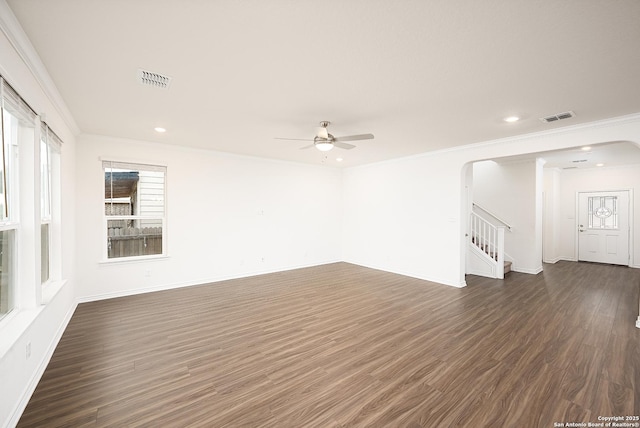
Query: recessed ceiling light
{"points": [[339, 159], [159, 129], [511, 119], [599, 164], [586, 148]]}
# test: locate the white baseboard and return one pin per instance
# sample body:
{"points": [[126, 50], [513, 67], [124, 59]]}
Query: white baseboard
{"points": [[567, 259], [170, 286], [441, 281]]}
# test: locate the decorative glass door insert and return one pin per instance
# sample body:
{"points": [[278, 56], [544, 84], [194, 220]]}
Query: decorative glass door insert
{"points": [[603, 212]]}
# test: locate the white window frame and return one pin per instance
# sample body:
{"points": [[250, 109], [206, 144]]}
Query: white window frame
{"points": [[162, 218], [21, 134], [11, 208], [49, 206]]}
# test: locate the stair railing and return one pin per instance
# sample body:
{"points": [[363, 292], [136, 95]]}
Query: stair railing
{"points": [[490, 240], [480, 207]]}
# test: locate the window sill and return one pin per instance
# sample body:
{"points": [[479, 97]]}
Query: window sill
{"points": [[138, 259], [50, 289]]}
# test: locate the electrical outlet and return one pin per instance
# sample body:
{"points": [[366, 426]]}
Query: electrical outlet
{"points": [[28, 350]]}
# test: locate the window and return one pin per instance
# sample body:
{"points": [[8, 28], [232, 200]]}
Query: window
{"points": [[50, 146], [8, 225], [17, 129], [134, 207]]}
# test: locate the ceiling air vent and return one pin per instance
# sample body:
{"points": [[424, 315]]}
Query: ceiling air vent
{"points": [[559, 116], [154, 79]]}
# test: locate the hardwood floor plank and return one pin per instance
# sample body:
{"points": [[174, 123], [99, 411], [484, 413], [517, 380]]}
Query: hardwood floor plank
{"points": [[580, 381], [620, 361], [341, 345], [613, 399]]}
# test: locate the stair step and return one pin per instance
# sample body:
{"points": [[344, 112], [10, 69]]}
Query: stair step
{"points": [[507, 267]]}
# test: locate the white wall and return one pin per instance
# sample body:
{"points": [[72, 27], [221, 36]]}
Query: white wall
{"points": [[510, 191], [408, 215], [40, 326], [228, 216], [400, 216], [552, 220], [594, 179]]}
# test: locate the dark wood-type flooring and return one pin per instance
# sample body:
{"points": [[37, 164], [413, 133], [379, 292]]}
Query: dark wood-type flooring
{"points": [[341, 345]]}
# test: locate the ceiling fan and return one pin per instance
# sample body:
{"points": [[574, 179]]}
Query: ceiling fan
{"points": [[324, 141]]}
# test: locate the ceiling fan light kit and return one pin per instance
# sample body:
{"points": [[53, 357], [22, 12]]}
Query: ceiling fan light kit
{"points": [[322, 144], [324, 141]]}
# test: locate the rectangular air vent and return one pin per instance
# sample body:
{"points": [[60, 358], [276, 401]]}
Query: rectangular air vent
{"points": [[559, 116], [154, 79]]}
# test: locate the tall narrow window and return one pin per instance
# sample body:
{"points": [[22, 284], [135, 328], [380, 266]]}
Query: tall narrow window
{"points": [[49, 148], [134, 205], [7, 226], [45, 210], [17, 123]]}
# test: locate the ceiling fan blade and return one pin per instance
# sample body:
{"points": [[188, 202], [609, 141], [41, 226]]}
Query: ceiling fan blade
{"points": [[307, 147], [292, 139], [355, 137], [343, 145]]}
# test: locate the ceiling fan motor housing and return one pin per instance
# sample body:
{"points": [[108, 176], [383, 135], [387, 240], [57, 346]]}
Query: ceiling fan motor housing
{"points": [[330, 138]]}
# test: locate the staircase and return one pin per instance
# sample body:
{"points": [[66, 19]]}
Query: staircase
{"points": [[486, 249], [507, 267], [506, 264]]}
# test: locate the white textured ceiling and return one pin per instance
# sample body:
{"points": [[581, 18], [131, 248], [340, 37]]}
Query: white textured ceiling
{"points": [[420, 75]]}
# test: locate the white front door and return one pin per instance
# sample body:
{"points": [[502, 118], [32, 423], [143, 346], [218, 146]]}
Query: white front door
{"points": [[603, 227]]}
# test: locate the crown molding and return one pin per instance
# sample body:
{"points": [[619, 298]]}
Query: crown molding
{"points": [[633, 118], [10, 26]]}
